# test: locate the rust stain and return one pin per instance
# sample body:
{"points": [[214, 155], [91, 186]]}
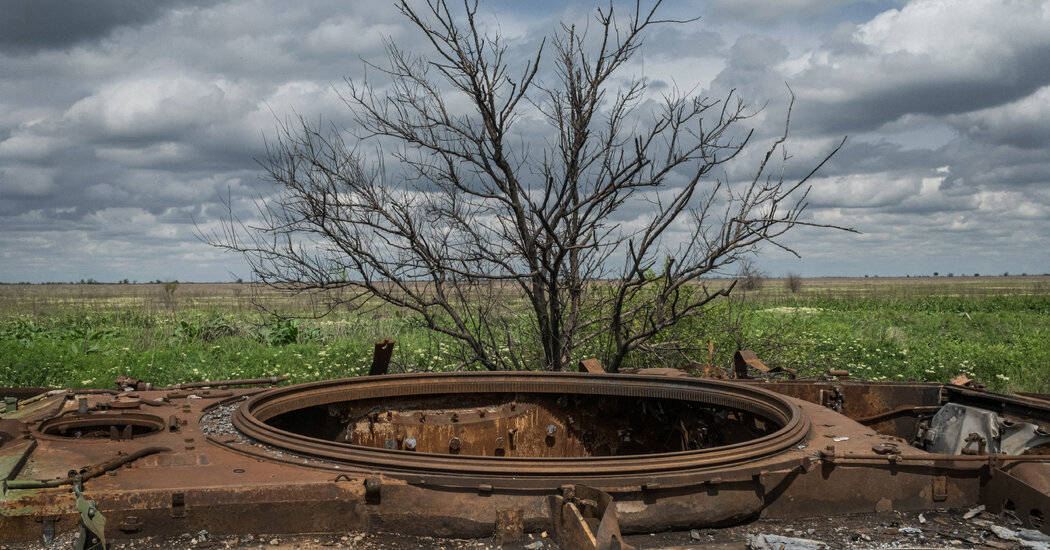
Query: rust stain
{"points": [[584, 456]]}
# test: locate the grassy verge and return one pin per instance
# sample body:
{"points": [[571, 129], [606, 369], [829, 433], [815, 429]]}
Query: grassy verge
{"points": [[996, 329]]}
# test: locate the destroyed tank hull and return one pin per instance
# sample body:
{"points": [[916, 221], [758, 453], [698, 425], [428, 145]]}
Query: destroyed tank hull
{"points": [[587, 457]]}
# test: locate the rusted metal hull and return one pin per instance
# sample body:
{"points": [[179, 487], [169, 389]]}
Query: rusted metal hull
{"points": [[500, 453]]}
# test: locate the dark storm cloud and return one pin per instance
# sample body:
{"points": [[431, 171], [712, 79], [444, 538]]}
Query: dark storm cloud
{"points": [[1021, 124], [894, 97], [54, 24], [973, 167], [868, 157], [760, 11]]}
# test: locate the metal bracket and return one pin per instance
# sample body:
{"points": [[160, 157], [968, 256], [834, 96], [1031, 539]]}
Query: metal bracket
{"points": [[940, 488], [373, 490], [178, 505], [92, 534], [832, 399], [381, 357], [592, 366], [745, 358], [585, 518]]}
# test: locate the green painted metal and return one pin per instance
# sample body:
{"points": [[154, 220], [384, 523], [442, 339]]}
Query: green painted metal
{"points": [[14, 457], [92, 523]]}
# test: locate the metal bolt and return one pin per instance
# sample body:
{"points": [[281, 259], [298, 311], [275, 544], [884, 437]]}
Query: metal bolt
{"points": [[500, 442], [551, 430], [454, 444], [410, 444]]}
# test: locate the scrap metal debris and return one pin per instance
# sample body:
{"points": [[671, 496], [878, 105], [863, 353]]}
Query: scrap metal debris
{"points": [[776, 542], [1028, 538]]}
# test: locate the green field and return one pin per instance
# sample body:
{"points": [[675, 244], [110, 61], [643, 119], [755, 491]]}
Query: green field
{"points": [[996, 329]]}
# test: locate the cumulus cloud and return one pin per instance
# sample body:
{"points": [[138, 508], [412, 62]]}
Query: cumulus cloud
{"points": [[1024, 123], [929, 57], [149, 109], [123, 123], [29, 147], [19, 180], [946, 106]]}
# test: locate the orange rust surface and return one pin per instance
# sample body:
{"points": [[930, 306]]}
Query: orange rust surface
{"points": [[214, 478]]}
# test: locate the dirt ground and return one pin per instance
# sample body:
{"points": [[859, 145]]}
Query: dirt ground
{"points": [[942, 529]]}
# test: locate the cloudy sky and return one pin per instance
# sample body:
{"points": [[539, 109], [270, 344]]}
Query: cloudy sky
{"points": [[123, 123]]}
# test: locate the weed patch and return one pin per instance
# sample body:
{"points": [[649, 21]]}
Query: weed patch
{"points": [[891, 331]]}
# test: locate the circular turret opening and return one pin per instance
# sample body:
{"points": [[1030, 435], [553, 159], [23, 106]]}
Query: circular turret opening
{"points": [[525, 423], [102, 426], [530, 425]]}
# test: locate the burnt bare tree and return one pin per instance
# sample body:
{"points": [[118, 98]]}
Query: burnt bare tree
{"points": [[750, 276], [529, 252]]}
